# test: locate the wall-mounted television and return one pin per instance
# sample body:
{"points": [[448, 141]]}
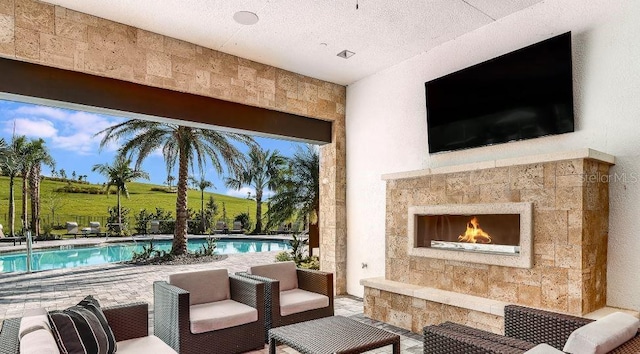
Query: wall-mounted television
{"points": [[524, 94]]}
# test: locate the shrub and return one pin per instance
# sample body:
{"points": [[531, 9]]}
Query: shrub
{"points": [[46, 233], [194, 225], [296, 254], [69, 188], [208, 248], [244, 219], [283, 256], [167, 225], [310, 263], [297, 248], [163, 189], [149, 253], [112, 222]]}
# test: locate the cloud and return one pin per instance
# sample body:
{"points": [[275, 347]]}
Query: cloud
{"points": [[38, 128], [68, 130], [242, 193], [81, 143], [41, 111]]}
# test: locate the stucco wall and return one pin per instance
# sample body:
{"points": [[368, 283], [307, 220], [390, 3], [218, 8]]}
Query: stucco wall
{"points": [[386, 124]]}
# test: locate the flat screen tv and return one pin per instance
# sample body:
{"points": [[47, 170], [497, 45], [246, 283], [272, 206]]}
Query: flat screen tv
{"points": [[524, 94]]}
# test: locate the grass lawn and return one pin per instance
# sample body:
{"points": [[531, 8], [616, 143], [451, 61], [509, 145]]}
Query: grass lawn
{"points": [[83, 208]]}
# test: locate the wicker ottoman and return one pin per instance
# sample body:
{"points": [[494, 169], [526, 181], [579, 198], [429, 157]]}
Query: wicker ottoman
{"points": [[334, 334]]}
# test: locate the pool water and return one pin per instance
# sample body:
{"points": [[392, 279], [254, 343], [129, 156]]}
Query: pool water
{"points": [[54, 258]]}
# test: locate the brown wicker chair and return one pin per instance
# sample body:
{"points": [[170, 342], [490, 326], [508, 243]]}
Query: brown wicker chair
{"points": [[172, 320], [309, 280], [126, 321], [524, 328]]}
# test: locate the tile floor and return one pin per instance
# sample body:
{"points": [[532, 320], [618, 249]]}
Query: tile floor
{"points": [[121, 283]]}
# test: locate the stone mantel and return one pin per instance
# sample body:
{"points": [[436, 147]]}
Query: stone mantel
{"points": [[585, 153], [569, 201]]}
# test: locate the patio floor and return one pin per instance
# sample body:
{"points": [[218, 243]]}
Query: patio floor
{"points": [[115, 284]]}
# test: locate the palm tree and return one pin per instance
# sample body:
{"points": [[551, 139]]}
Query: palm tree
{"points": [[298, 189], [25, 171], [37, 155], [261, 170], [186, 146], [7, 164], [12, 160], [118, 175], [169, 181], [201, 184]]}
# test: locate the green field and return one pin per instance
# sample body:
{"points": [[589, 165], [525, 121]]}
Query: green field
{"points": [[83, 208]]}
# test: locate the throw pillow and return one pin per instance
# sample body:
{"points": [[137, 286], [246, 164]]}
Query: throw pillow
{"points": [[603, 335], [82, 329]]}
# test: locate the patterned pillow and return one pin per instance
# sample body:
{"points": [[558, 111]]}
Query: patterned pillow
{"points": [[82, 329]]}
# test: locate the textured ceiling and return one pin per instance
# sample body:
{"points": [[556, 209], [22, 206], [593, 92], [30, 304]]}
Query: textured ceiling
{"points": [[290, 33]]}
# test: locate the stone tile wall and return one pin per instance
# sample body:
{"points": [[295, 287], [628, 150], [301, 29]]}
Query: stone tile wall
{"points": [[413, 313], [55, 36], [52, 35], [570, 227], [333, 219]]}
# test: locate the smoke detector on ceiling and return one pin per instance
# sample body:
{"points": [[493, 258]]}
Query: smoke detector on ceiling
{"points": [[346, 54], [245, 17]]}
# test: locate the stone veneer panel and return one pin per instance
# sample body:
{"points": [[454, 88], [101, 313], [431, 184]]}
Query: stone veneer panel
{"points": [[570, 227], [55, 36], [413, 313]]}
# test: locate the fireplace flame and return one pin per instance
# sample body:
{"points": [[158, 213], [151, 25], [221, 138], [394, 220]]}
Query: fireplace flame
{"points": [[474, 234]]}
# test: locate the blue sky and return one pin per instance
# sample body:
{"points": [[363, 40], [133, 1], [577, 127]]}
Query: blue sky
{"points": [[70, 137]]}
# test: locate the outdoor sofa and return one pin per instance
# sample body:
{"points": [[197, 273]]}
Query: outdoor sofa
{"points": [[292, 294], [525, 328], [209, 311], [128, 323]]}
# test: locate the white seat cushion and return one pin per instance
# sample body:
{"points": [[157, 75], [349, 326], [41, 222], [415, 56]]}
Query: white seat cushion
{"points": [[40, 341], [543, 349], [33, 320], [284, 272], [148, 344], [203, 286], [603, 335], [298, 300], [219, 315]]}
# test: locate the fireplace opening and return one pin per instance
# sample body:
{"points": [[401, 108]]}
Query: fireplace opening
{"points": [[485, 233]]}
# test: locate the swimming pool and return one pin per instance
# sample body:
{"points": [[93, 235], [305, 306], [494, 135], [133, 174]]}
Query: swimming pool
{"points": [[56, 258]]}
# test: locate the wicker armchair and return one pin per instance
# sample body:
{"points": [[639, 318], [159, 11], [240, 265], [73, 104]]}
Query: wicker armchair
{"points": [[310, 280], [172, 312], [126, 321], [524, 328]]}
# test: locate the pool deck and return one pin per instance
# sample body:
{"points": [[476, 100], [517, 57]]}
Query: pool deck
{"points": [[116, 283]]}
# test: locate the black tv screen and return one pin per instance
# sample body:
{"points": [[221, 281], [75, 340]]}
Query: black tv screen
{"points": [[524, 94]]}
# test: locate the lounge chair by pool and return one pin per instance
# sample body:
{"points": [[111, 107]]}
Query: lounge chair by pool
{"points": [[4, 238]]}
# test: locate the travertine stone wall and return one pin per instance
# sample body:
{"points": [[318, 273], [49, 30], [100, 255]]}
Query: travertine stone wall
{"points": [[413, 314], [55, 36], [570, 225], [52, 35], [333, 219]]}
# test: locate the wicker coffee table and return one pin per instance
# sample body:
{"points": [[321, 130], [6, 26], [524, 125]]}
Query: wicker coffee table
{"points": [[334, 334]]}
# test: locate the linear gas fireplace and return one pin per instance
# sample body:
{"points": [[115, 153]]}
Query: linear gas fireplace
{"points": [[490, 233], [481, 233]]}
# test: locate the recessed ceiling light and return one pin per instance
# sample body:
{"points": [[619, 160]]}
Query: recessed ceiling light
{"points": [[346, 54], [245, 17]]}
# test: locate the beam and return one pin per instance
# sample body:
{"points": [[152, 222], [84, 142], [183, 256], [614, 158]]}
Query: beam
{"points": [[49, 83]]}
